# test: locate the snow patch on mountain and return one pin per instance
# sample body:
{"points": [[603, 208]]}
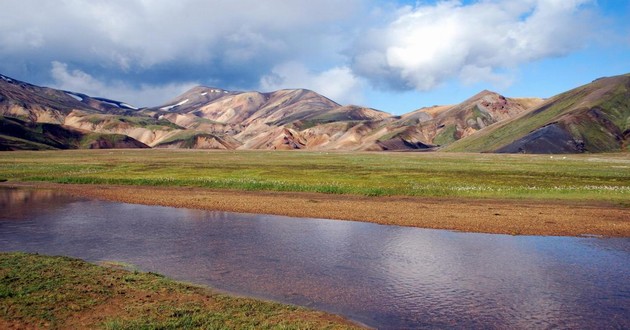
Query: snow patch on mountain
{"points": [[116, 104], [167, 108], [75, 96], [128, 106], [110, 103]]}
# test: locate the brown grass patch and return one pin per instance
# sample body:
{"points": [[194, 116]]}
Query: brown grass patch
{"points": [[563, 218]]}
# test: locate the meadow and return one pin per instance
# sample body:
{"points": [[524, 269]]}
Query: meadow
{"points": [[585, 177], [39, 291]]}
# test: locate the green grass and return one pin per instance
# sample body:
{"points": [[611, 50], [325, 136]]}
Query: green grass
{"points": [[587, 177], [41, 291]]}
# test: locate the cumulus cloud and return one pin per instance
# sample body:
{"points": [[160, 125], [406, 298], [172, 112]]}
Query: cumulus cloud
{"points": [[427, 45], [152, 45], [338, 83], [143, 40], [142, 95]]}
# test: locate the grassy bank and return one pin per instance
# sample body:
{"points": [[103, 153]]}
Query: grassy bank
{"points": [[59, 292], [601, 177]]}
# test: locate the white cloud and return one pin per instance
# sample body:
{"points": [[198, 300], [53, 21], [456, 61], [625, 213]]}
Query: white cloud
{"points": [[243, 44], [338, 83], [143, 33], [430, 44], [141, 96]]}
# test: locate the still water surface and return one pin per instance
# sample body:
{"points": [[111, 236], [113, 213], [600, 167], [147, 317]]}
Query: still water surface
{"points": [[383, 276]]}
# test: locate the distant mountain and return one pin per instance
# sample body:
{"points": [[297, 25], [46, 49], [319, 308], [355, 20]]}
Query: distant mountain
{"points": [[42, 104], [254, 120], [592, 118], [33, 118], [303, 119], [442, 125], [32, 104], [245, 108]]}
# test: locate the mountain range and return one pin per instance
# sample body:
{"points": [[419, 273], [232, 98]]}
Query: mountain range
{"points": [[591, 118]]}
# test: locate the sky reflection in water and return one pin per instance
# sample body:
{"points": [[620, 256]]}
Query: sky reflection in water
{"points": [[384, 276]]}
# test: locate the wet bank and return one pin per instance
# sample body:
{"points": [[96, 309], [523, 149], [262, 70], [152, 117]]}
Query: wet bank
{"points": [[383, 276]]}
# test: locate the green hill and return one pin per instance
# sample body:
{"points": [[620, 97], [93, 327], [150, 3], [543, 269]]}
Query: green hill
{"points": [[591, 118], [16, 134]]}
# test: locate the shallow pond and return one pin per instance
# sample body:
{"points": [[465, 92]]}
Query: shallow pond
{"points": [[383, 276]]}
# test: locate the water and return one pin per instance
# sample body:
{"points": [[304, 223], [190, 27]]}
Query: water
{"points": [[383, 276]]}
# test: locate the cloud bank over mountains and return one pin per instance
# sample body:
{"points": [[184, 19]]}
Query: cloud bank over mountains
{"points": [[145, 51]]}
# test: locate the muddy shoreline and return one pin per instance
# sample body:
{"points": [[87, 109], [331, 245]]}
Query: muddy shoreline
{"points": [[512, 217]]}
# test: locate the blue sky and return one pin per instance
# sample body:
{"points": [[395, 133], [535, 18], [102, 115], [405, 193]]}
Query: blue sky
{"points": [[395, 56]]}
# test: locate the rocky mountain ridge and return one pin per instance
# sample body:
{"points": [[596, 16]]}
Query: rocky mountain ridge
{"points": [[590, 118], [214, 118]]}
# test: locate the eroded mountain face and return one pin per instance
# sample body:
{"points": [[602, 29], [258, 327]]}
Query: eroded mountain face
{"points": [[592, 118], [303, 119]]}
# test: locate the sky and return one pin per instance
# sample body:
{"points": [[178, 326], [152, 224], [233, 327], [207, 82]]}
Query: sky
{"points": [[395, 56]]}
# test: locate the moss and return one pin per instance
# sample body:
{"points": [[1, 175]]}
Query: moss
{"points": [[446, 136], [617, 107], [96, 119], [149, 122], [91, 138], [114, 121], [188, 138]]}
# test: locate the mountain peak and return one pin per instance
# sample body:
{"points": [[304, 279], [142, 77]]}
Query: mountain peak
{"points": [[212, 117], [484, 93], [589, 118], [206, 89]]}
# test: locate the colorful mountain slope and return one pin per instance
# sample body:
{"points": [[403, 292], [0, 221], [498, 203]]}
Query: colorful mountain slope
{"points": [[591, 118]]}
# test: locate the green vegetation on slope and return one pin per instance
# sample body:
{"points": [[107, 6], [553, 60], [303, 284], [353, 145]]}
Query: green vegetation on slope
{"points": [[187, 138], [21, 135], [605, 100], [39, 134], [493, 138], [446, 136], [113, 121], [60, 292], [604, 177], [106, 140], [13, 143]]}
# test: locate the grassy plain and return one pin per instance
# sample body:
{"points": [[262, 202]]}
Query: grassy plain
{"points": [[510, 194], [586, 177], [64, 293]]}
